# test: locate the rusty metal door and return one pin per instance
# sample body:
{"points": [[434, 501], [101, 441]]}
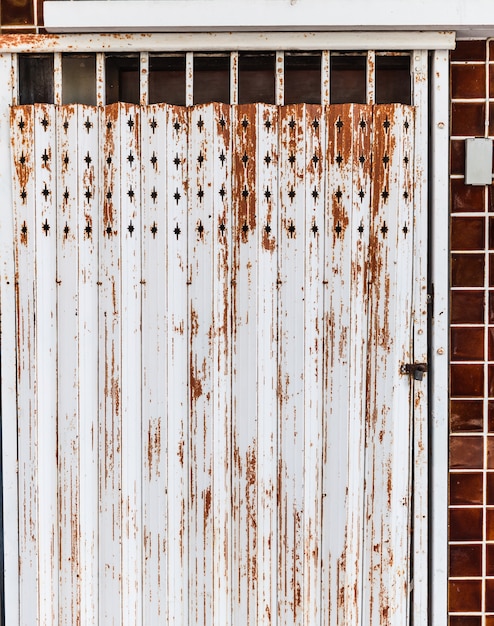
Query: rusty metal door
{"points": [[214, 305]]}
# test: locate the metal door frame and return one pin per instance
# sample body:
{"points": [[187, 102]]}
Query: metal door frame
{"points": [[429, 563]]}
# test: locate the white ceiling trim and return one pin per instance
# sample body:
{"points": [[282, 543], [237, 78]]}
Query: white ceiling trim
{"points": [[465, 16]]}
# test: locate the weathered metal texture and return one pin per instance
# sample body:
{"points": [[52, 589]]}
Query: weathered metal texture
{"points": [[389, 408], [22, 124], [214, 428], [110, 384], [349, 129]]}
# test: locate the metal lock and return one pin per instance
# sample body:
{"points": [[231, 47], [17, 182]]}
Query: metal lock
{"points": [[417, 370]]}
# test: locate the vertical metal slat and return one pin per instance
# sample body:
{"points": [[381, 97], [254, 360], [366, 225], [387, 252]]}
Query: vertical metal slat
{"points": [[69, 192], [46, 358], [88, 236]]}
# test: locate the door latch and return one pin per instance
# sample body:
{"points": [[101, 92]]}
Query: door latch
{"points": [[417, 370]]}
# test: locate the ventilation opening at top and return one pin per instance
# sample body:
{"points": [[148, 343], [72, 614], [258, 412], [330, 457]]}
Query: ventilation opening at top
{"points": [[196, 78]]}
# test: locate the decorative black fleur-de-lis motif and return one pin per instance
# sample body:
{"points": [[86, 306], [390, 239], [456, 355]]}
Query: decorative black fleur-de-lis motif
{"points": [[222, 158], [21, 125], [66, 194], [361, 229], [314, 229], [267, 193], [405, 195], [386, 124], [89, 229], [176, 195], [131, 228], [200, 194], [222, 229], [109, 195], [200, 124], [405, 160], [154, 230], [339, 159], [109, 230], [45, 123], [23, 195], [245, 192], [292, 159], [384, 229], [153, 124], [200, 159], [315, 159], [267, 159], [24, 229], [362, 123], [130, 158], [176, 160], [385, 160], [267, 124], [245, 159], [361, 159], [176, 126], [361, 194], [338, 194], [291, 194], [66, 230], [88, 195], [45, 192], [109, 125], [154, 194], [131, 193], [108, 160], [245, 123], [339, 124], [385, 193], [200, 228], [315, 193], [46, 227], [66, 126], [292, 123], [88, 159], [291, 229], [222, 191], [154, 160], [406, 124], [222, 122], [22, 159], [315, 124], [338, 229], [45, 157], [245, 228], [88, 124], [405, 230], [267, 229], [177, 231], [130, 122]]}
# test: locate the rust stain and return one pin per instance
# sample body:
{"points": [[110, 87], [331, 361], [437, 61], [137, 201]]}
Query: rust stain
{"points": [[109, 153], [244, 167], [207, 504]]}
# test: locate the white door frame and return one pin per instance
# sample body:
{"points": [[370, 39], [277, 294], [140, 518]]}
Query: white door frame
{"points": [[433, 471]]}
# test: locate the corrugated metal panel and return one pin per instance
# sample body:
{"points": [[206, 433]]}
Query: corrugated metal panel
{"points": [[213, 426]]}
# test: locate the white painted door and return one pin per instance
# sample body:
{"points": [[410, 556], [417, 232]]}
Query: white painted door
{"points": [[214, 305]]}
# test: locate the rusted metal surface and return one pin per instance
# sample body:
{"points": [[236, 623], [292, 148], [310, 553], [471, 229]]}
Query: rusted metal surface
{"points": [[223, 427]]}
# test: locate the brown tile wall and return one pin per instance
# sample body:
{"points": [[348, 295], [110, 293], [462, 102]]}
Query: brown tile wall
{"points": [[21, 16], [471, 445]]}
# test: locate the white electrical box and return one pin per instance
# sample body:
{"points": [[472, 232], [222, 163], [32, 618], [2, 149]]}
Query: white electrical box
{"points": [[478, 161]]}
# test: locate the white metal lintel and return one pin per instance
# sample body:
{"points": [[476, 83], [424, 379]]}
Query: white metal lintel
{"points": [[221, 41], [253, 15]]}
